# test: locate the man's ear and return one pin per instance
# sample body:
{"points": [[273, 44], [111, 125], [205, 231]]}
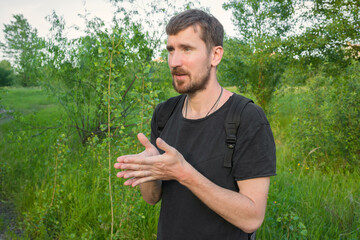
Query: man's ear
{"points": [[217, 54]]}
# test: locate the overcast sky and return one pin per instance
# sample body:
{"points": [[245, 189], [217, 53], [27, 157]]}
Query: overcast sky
{"points": [[35, 12]]}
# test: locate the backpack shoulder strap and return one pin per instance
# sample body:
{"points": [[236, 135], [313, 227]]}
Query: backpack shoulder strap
{"points": [[232, 123], [165, 110]]}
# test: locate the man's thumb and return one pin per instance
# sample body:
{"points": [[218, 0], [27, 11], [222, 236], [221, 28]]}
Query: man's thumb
{"points": [[163, 145], [144, 140]]}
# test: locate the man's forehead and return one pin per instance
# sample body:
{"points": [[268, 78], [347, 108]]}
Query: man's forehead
{"points": [[195, 27], [190, 30]]}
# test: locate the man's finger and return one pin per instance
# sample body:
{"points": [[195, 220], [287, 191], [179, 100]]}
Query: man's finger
{"points": [[129, 182], [140, 160], [134, 167], [163, 145], [137, 181], [122, 174], [132, 174], [144, 141], [137, 174], [122, 158], [118, 165]]}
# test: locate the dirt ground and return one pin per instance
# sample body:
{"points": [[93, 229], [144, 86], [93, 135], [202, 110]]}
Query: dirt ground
{"points": [[8, 226]]}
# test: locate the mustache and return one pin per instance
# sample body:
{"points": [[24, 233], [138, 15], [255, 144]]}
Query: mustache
{"points": [[179, 71]]}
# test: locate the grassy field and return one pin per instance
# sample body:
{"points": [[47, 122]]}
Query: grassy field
{"points": [[59, 187]]}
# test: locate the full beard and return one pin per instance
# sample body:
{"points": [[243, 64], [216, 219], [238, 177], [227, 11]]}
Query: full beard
{"points": [[194, 85]]}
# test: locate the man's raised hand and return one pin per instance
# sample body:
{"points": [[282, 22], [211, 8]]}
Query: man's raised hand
{"points": [[150, 150], [149, 165]]}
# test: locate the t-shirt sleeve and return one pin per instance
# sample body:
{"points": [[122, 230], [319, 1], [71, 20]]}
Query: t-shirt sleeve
{"points": [[255, 151]]}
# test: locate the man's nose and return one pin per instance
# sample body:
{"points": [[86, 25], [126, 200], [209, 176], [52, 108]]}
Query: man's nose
{"points": [[175, 59]]}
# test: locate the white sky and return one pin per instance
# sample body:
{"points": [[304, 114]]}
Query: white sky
{"points": [[35, 12]]}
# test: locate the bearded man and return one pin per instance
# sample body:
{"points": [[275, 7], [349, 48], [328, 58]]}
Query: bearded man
{"points": [[183, 164]]}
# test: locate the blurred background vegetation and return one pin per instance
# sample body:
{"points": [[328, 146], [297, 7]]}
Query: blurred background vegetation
{"points": [[69, 107]]}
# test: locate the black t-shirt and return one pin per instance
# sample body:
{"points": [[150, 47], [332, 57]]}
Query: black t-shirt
{"points": [[202, 143]]}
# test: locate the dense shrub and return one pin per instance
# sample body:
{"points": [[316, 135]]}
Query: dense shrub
{"points": [[326, 130], [6, 74]]}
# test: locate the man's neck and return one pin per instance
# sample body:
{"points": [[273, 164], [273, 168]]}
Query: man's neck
{"points": [[205, 102]]}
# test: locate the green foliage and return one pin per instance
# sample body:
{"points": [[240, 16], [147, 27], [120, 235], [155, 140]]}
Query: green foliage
{"points": [[57, 183], [78, 73], [308, 204], [257, 21], [256, 58], [160, 76], [233, 70], [291, 224], [299, 33], [329, 32], [295, 74], [24, 46], [255, 71], [81, 72], [6, 74], [325, 133]]}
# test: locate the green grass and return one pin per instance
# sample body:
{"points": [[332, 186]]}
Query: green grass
{"points": [[27, 100], [326, 204], [60, 187], [33, 100]]}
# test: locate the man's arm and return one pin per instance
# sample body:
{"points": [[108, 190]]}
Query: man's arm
{"points": [[244, 209], [151, 191]]}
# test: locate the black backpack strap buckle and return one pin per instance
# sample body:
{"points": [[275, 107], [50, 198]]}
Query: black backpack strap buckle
{"points": [[230, 129], [231, 141]]}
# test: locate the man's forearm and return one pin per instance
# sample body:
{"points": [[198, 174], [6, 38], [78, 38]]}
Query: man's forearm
{"points": [[151, 191], [235, 207]]}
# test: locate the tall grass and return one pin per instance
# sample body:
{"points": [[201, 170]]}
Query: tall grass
{"points": [[304, 202], [308, 204], [60, 187]]}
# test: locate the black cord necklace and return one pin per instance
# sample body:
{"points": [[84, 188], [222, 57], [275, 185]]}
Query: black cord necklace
{"points": [[213, 107]]}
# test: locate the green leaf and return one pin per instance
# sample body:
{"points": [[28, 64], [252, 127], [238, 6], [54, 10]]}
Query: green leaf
{"points": [[304, 232]]}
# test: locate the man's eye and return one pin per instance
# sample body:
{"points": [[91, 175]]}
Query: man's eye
{"points": [[187, 49]]}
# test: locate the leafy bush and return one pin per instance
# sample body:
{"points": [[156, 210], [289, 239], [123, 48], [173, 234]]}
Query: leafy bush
{"points": [[257, 72], [6, 74], [81, 72], [326, 132]]}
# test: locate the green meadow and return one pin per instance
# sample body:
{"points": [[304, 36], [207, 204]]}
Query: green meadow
{"points": [[59, 188]]}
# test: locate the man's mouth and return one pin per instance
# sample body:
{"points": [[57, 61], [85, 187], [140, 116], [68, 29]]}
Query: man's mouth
{"points": [[179, 75], [178, 72]]}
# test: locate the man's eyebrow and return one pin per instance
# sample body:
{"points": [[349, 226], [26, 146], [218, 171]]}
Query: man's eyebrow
{"points": [[182, 46]]}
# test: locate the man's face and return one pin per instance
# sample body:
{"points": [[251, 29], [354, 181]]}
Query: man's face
{"points": [[189, 61]]}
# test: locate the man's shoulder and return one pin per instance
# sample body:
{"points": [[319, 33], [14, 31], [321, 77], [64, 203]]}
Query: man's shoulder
{"points": [[164, 110], [169, 104], [251, 113]]}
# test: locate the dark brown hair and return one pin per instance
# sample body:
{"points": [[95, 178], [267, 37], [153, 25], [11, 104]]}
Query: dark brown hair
{"points": [[212, 32]]}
